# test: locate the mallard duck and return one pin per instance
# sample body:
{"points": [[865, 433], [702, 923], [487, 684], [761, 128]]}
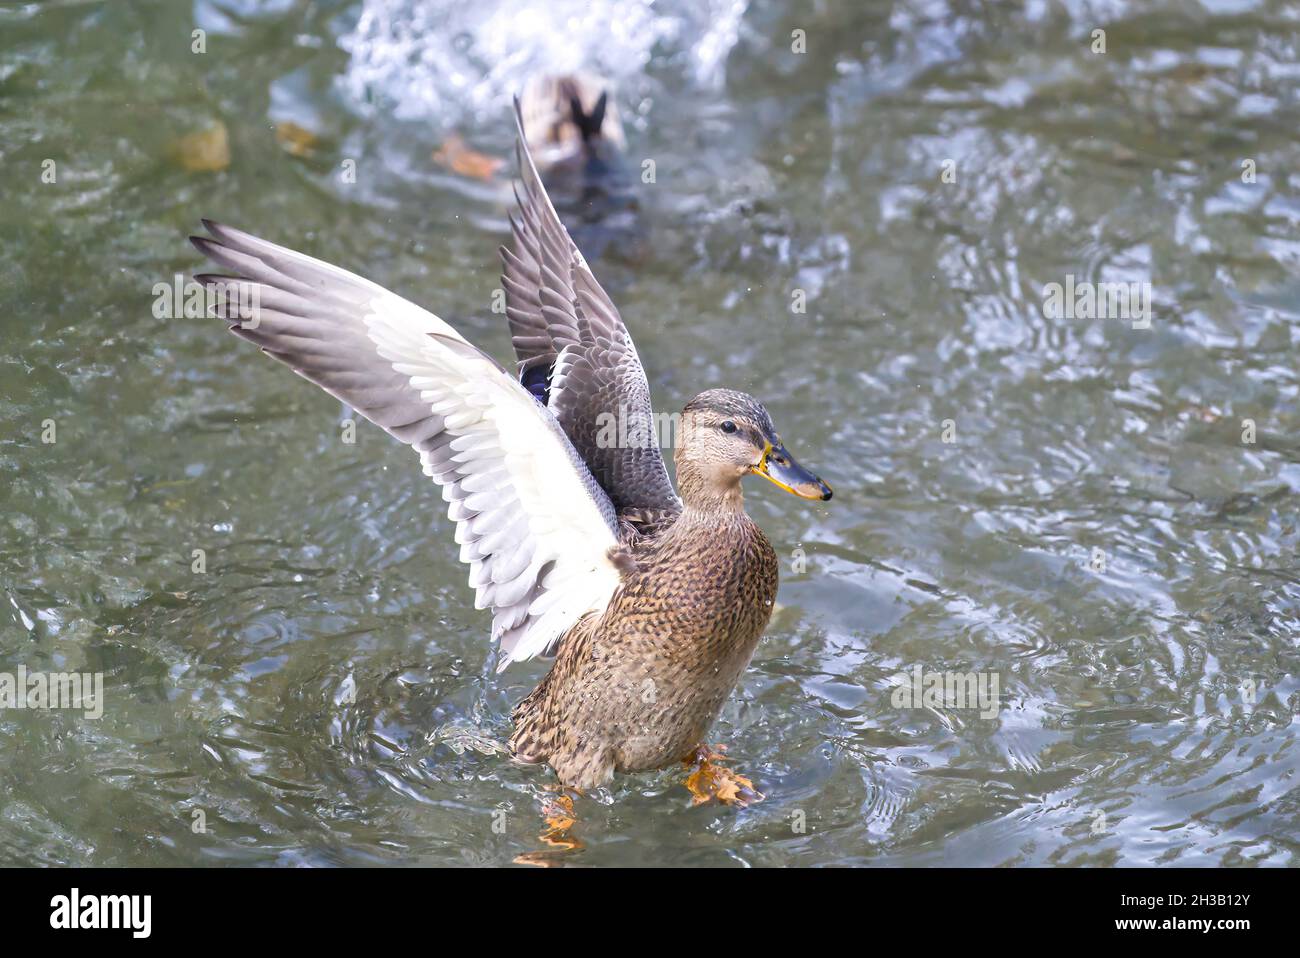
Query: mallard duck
{"points": [[650, 600], [577, 142], [569, 115]]}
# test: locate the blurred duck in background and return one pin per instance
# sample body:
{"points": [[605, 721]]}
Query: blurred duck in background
{"points": [[569, 119], [576, 137]]}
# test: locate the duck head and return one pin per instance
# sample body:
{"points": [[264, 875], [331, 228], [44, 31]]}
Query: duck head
{"points": [[726, 435]]}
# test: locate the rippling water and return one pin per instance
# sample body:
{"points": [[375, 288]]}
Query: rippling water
{"points": [[1098, 535]]}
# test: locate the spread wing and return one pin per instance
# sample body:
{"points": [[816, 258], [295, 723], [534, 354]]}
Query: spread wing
{"points": [[576, 355], [534, 526]]}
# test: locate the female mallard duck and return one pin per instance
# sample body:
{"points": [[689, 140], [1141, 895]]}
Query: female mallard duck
{"points": [[568, 116], [651, 604], [576, 139]]}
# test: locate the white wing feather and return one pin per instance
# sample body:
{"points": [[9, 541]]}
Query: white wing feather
{"points": [[534, 526]]}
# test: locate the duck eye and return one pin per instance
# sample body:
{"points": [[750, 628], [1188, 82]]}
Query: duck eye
{"points": [[728, 426]]}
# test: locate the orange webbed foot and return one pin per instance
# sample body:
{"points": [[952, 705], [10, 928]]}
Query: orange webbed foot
{"points": [[713, 781], [560, 816]]}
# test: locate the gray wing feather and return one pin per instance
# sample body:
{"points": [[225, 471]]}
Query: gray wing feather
{"points": [[561, 317], [538, 557]]}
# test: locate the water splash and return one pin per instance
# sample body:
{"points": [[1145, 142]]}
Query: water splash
{"points": [[452, 61]]}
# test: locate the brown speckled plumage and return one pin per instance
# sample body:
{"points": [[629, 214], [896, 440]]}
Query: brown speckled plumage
{"points": [[637, 687]]}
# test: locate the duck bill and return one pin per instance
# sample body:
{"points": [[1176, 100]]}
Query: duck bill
{"points": [[780, 468]]}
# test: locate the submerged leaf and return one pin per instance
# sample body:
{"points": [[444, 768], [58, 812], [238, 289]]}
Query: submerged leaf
{"points": [[456, 155], [296, 140], [205, 151]]}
